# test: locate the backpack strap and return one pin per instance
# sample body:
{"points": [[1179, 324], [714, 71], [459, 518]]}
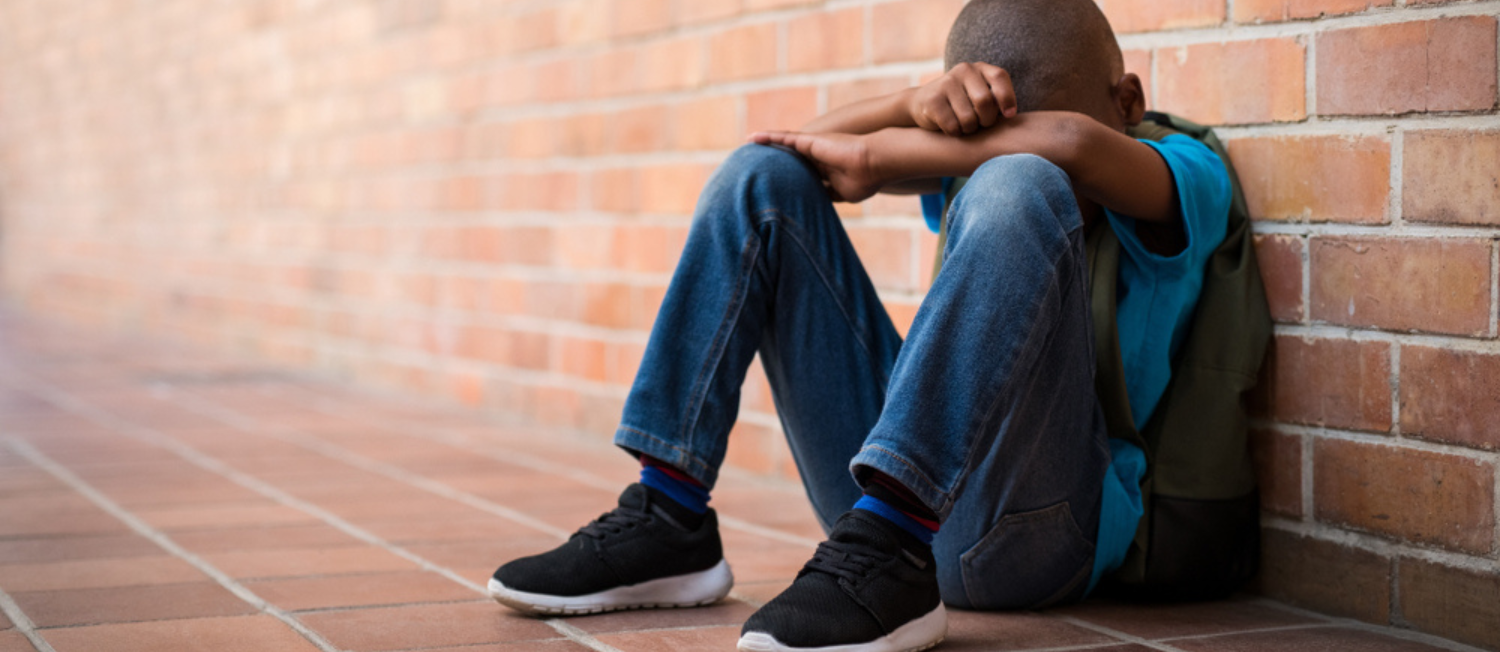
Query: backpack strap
{"points": [[1103, 252]]}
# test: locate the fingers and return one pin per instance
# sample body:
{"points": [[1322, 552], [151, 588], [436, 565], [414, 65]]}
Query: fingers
{"points": [[982, 99], [1000, 88]]}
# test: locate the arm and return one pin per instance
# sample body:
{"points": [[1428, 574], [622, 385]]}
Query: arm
{"points": [[1105, 166]]}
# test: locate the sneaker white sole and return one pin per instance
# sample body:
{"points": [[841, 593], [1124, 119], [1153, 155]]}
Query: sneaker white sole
{"points": [[917, 635], [690, 590]]}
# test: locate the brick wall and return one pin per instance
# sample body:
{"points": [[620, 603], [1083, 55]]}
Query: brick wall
{"points": [[483, 199]]}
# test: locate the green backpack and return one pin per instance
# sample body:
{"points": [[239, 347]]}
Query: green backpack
{"points": [[1200, 535]]}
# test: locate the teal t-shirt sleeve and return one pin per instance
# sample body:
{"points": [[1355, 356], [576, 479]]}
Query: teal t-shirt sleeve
{"points": [[1203, 197], [933, 205]]}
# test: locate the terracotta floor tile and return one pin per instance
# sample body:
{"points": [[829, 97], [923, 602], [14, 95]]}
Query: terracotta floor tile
{"points": [[59, 549], [727, 612], [264, 538], [483, 553], [427, 530], [66, 523], [214, 516], [130, 603], [560, 645], [974, 630], [428, 506], [306, 562], [708, 639], [5, 622], [232, 634], [396, 628], [368, 590], [1316, 639], [1151, 621], [13, 641], [96, 573]]}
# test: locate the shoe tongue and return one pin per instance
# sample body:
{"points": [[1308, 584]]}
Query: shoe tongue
{"points": [[635, 497], [863, 528]]}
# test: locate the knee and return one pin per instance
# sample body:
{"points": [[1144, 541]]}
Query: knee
{"points": [[1016, 190], [753, 167]]}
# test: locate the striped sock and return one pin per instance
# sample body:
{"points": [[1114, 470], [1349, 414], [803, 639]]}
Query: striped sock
{"points": [[677, 485], [888, 499]]}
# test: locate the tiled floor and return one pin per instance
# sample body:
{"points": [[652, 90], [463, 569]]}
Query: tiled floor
{"points": [[156, 499]]}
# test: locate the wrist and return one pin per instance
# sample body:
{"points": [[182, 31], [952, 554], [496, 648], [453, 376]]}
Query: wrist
{"points": [[900, 110]]}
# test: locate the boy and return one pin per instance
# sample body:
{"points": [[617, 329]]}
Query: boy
{"points": [[983, 476]]}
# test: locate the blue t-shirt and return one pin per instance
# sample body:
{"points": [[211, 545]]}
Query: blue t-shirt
{"points": [[1157, 295]]}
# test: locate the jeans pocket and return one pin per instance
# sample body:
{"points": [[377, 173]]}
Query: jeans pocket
{"points": [[1029, 560]]}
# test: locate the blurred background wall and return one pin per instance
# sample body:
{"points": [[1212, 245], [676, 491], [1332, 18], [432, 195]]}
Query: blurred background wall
{"points": [[484, 199]]}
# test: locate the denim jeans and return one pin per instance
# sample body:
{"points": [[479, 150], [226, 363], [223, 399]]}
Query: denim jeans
{"points": [[986, 412]]}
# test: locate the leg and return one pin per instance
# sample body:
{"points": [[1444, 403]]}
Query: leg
{"points": [[767, 267], [992, 421]]}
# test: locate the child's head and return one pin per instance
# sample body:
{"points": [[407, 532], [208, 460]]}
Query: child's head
{"points": [[1061, 55]]}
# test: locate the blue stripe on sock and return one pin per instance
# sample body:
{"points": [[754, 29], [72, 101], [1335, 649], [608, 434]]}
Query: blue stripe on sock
{"points": [[880, 508], [693, 497]]}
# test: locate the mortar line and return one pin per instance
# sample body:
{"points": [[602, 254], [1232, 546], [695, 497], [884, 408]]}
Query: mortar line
{"points": [[1306, 261], [1310, 76], [1393, 609], [1495, 288], [1383, 439], [1379, 545], [1404, 634], [22, 622], [140, 527], [150, 436], [1308, 449], [1395, 385], [1396, 204]]}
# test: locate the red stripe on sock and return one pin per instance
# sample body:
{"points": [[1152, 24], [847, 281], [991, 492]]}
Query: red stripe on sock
{"points": [[671, 471]]}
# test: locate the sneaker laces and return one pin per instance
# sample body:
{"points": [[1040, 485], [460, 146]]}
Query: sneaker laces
{"points": [[850, 561], [614, 522]]}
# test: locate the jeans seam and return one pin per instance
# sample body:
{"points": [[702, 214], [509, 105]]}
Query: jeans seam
{"points": [[687, 453], [727, 323], [919, 475], [855, 326]]}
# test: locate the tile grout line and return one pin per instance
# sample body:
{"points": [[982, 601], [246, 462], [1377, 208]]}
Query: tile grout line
{"points": [[213, 465], [36, 457], [1110, 631], [23, 623], [545, 466], [1391, 631]]}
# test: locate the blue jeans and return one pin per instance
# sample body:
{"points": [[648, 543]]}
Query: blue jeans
{"points": [[987, 412]]}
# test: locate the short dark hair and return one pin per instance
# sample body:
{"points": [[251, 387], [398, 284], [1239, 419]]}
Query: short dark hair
{"points": [[1046, 45]]}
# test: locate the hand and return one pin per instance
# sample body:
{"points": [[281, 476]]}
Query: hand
{"points": [[967, 98], [842, 159]]}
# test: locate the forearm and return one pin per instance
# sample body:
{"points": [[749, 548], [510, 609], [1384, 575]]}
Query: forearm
{"points": [[865, 116], [1105, 166]]}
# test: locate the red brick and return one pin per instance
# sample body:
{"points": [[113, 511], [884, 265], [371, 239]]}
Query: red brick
{"points": [[534, 30], [584, 21], [912, 29], [849, 92], [637, 130], [763, 5], [708, 123], [1458, 604], [672, 64], [581, 134], [1436, 65], [583, 358], [1280, 259], [614, 72], [742, 53], [1417, 496], [635, 17], [699, 11], [1131, 16], [1139, 62], [649, 248], [824, 41], [615, 190], [1246, 11], [1267, 84], [1451, 396], [750, 447], [1433, 285], [1337, 383], [1451, 177], [782, 108], [1278, 467], [886, 254], [1315, 178], [671, 188]]}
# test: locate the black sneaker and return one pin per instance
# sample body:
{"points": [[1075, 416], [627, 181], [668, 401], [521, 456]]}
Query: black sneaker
{"points": [[648, 552], [871, 587]]}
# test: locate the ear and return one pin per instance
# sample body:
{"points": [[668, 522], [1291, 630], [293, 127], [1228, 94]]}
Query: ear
{"points": [[1130, 99]]}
